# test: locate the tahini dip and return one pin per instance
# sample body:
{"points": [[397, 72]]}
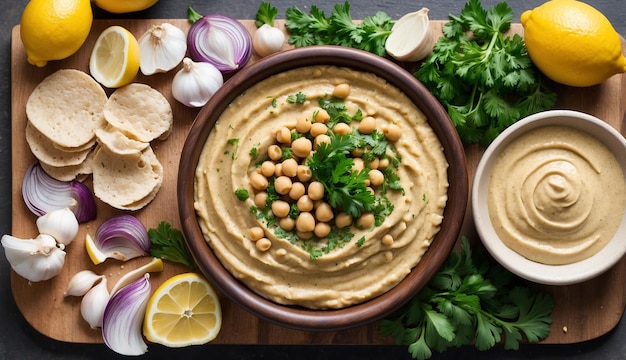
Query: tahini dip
{"points": [[347, 275], [556, 195]]}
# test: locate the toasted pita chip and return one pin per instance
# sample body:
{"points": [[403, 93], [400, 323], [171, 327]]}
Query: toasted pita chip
{"points": [[45, 151], [72, 172], [118, 143]]}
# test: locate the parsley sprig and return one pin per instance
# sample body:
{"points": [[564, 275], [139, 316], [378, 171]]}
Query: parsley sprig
{"points": [[169, 243], [483, 77], [470, 299], [338, 29]]}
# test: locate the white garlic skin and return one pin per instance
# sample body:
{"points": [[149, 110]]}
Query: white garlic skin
{"points": [[267, 40], [411, 37], [161, 48], [81, 283], [94, 302], [37, 259], [196, 83], [61, 224]]}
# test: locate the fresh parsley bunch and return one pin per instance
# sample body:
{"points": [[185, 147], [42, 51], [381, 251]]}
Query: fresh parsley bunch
{"points": [[484, 79], [470, 299]]}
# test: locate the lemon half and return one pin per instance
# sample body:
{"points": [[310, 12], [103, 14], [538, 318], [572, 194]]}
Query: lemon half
{"points": [[124, 6], [183, 311], [114, 60]]}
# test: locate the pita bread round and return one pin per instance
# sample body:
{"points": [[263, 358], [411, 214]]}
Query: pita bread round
{"points": [[45, 151], [140, 112], [118, 143], [67, 107], [71, 172]]}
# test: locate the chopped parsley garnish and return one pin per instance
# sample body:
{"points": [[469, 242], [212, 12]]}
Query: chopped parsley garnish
{"points": [[234, 142], [242, 194], [169, 243], [298, 98]]}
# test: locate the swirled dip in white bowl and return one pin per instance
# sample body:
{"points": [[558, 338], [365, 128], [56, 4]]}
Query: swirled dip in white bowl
{"points": [[549, 195]]}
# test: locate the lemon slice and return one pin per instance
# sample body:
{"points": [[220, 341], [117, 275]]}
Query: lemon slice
{"points": [[183, 311], [96, 256], [114, 60]]}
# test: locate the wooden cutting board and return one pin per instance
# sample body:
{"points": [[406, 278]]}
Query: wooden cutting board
{"points": [[582, 311]]}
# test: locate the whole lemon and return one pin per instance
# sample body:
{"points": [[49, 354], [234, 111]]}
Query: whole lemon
{"points": [[54, 29], [572, 43], [124, 6]]}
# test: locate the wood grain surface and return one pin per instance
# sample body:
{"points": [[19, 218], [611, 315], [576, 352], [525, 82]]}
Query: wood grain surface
{"points": [[582, 312]]}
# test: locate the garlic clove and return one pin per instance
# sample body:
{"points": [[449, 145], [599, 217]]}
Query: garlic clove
{"points": [[81, 283], [94, 302], [196, 83], [155, 265], [161, 48], [267, 40], [37, 259], [61, 224], [410, 38]]}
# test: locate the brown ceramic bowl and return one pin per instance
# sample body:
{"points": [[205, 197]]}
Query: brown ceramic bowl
{"points": [[298, 317]]}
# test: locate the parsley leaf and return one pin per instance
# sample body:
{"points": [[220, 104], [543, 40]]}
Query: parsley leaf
{"points": [[265, 15], [169, 243], [484, 79], [471, 299]]}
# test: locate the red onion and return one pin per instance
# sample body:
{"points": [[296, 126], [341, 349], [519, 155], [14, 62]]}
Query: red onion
{"points": [[121, 237], [219, 40], [43, 193]]}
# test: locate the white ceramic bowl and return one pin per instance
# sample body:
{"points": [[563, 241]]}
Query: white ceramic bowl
{"points": [[572, 273]]}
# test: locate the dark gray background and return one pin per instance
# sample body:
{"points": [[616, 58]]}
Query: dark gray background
{"points": [[18, 340]]}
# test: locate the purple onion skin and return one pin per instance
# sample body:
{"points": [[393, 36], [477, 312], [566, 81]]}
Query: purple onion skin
{"points": [[119, 228], [194, 40]]}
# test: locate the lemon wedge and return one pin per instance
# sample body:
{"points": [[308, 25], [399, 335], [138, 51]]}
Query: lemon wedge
{"points": [[114, 60], [183, 311], [96, 256]]}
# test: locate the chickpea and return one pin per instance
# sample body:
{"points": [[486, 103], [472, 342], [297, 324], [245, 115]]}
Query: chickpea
{"points": [[303, 125], [343, 220], [374, 163], [287, 223], [280, 208], [383, 163], [304, 173], [263, 244], [341, 91], [323, 138], [283, 135], [278, 170], [359, 164], [301, 147], [376, 177], [304, 203], [357, 152], [260, 199], [258, 181], [304, 235], [318, 128], [322, 229], [305, 222], [367, 125], [297, 190], [274, 152], [342, 129], [255, 233], [283, 185], [392, 132], [290, 167], [365, 221], [268, 168], [321, 116], [387, 240], [324, 212], [316, 190]]}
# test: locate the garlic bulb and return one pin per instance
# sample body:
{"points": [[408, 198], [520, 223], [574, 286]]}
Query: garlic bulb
{"points": [[161, 48], [35, 259], [81, 283], [196, 83], [410, 38], [94, 302], [61, 224], [267, 40]]}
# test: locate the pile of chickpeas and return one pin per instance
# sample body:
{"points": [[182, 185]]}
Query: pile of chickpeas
{"points": [[294, 183]]}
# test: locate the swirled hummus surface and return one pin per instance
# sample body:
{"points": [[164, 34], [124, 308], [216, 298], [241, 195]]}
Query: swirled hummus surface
{"points": [[556, 195], [351, 273]]}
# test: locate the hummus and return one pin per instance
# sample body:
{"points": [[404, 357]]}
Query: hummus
{"points": [[285, 273], [556, 195]]}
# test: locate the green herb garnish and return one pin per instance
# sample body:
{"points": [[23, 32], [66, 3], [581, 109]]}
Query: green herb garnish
{"points": [[265, 15], [298, 98], [169, 243], [242, 194]]}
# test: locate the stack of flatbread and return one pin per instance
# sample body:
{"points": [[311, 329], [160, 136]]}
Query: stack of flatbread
{"points": [[75, 130]]}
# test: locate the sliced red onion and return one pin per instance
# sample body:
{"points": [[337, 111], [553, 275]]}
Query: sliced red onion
{"points": [[219, 40], [42, 193], [123, 318], [122, 237]]}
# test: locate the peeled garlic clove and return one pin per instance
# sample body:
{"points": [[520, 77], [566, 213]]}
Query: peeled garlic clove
{"points": [[35, 259], [161, 48], [410, 38], [60, 224], [81, 283], [93, 304], [196, 83], [267, 40]]}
